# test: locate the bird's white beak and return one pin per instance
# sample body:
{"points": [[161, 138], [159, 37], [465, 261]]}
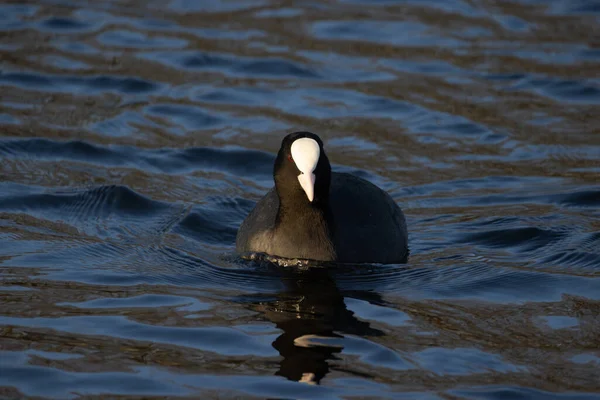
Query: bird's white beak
{"points": [[306, 153], [307, 181]]}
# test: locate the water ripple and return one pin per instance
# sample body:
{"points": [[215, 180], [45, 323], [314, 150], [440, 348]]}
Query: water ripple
{"points": [[387, 32], [210, 339], [526, 239], [54, 83], [138, 135], [235, 66], [235, 161]]}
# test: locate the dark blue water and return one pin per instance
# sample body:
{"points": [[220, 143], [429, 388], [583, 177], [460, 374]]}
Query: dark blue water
{"points": [[136, 136]]}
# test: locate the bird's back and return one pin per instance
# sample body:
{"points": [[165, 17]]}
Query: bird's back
{"points": [[369, 225]]}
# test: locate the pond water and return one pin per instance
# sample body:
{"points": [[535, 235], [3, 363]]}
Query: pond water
{"points": [[137, 135]]}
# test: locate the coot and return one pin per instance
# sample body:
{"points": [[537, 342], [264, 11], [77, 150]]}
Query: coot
{"points": [[315, 214]]}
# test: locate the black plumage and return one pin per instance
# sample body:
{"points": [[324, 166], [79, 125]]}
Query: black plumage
{"points": [[350, 220]]}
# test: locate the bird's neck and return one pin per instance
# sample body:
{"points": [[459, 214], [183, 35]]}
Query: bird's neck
{"points": [[298, 210]]}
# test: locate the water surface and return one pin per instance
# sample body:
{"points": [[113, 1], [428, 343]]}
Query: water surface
{"points": [[136, 136]]}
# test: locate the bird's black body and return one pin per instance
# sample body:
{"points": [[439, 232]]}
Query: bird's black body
{"points": [[350, 220]]}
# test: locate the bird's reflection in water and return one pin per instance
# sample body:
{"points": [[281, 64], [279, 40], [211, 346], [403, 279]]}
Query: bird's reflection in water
{"points": [[310, 310]]}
